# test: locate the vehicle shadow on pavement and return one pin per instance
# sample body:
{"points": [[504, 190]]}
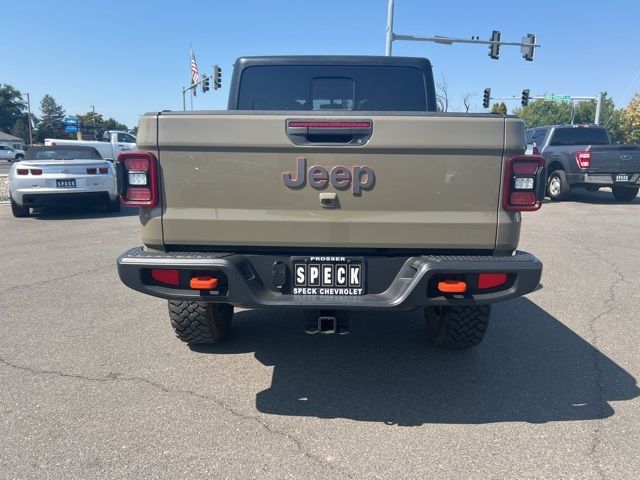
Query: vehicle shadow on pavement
{"points": [[603, 197], [79, 213], [530, 368]]}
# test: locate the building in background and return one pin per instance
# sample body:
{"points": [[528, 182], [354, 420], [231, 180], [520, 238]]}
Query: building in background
{"points": [[11, 141]]}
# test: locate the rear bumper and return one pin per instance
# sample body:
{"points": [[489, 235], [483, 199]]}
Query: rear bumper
{"points": [[603, 179], [63, 199], [400, 283]]}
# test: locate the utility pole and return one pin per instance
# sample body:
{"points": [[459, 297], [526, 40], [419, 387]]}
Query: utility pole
{"points": [[95, 127], [527, 45], [29, 121], [598, 108]]}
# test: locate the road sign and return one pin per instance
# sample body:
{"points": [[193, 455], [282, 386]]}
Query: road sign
{"points": [[71, 121], [71, 128], [557, 98]]}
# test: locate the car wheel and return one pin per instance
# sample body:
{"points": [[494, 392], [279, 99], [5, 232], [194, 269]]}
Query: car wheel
{"points": [[625, 194], [457, 327], [200, 322], [558, 188], [18, 211]]}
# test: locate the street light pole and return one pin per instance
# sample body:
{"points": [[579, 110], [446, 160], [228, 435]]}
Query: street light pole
{"points": [[598, 108], [95, 129], [389, 28]]}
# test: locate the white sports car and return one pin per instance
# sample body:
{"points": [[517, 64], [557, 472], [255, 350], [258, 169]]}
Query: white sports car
{"points": [[62, 175]]}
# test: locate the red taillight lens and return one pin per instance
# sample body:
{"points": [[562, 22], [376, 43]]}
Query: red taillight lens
{"points": [[104, 170], [91, 171], [170, 277], [138, 164], [491, 280], [522, 199], [523, 183], [35, 171], [525, 168], [138, 194], [22, 171], [138, 179], [584, 159]]}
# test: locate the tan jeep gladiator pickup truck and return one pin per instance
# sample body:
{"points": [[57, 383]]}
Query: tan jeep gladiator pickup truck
{"points": [[331, 184]]}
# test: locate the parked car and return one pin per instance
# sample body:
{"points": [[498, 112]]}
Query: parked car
{"points": [[112, 144], [10, 154], [62, 175], [583, 156], [327, 192]]}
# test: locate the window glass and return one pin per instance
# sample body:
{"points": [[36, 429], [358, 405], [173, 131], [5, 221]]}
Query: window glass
{"points": [[580, 136], [125, 137], [538, 136], [332, 87], [63, 153]]}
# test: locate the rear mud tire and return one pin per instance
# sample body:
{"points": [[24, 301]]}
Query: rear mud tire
{"points": [[625, 194], [457, 328], [19, 211], [200, 322], [558, 187]]}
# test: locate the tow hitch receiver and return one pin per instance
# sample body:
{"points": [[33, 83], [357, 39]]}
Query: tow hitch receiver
{"points": [[327, 323]]}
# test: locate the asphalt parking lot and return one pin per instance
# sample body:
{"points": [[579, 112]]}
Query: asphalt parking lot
{"points": [[94, 384]]}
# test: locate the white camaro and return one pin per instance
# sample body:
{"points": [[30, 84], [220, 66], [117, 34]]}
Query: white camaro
{"points": [[62, 175]]}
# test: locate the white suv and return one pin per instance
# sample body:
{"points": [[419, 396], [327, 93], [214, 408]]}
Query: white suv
{"points": [[10, 154]]}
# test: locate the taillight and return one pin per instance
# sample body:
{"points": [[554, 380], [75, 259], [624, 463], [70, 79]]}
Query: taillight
{"points": [[22, 171], [138, 179], [584, 159], [523, 183], [104, 170], [91, 171], [491, 280], [35, 171], [170, 277]]}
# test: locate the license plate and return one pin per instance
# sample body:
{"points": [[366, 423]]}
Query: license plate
{"points": [[328, 276], [66, 183], [622, 177]]}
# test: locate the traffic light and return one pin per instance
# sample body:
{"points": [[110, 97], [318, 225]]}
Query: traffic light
{"points": [[494, 48], [217, 77], [486, 98], [205, 84], [525, 97], [528, 50]]}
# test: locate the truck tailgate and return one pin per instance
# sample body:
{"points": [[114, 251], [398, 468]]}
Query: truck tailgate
{"points": [[437, 181], [615, 159]]}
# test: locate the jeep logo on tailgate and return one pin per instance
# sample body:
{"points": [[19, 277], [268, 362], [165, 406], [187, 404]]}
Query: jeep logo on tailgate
{"points": [[359, 178]]}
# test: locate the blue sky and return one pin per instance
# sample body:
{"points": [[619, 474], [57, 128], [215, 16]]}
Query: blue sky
{"points": [[127, 58]]}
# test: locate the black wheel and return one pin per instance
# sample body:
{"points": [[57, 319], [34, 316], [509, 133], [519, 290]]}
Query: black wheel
{"points": [[457, 327], [19, 211], [200, 322], [113, 206], [625, 194], [557, 186]]}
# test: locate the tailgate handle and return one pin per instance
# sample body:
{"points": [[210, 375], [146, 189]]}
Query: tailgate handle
{"points": [[329, 132]]}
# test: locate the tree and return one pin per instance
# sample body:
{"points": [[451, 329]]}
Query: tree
{"points": [[500, 108], [545, 112], [442, 95], [20, 128], [466, 100], [11, 107], [51, 122], [87, 123], [630, 120]]}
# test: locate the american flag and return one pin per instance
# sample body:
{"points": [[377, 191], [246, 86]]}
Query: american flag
{"points": [[195, 76]]}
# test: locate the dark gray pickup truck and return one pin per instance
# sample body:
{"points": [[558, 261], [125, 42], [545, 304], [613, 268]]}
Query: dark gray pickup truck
{"points": [[583, 156]]}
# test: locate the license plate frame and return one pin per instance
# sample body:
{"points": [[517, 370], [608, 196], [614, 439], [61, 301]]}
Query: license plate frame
{"points": [[66, 183], [345, 276]]}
